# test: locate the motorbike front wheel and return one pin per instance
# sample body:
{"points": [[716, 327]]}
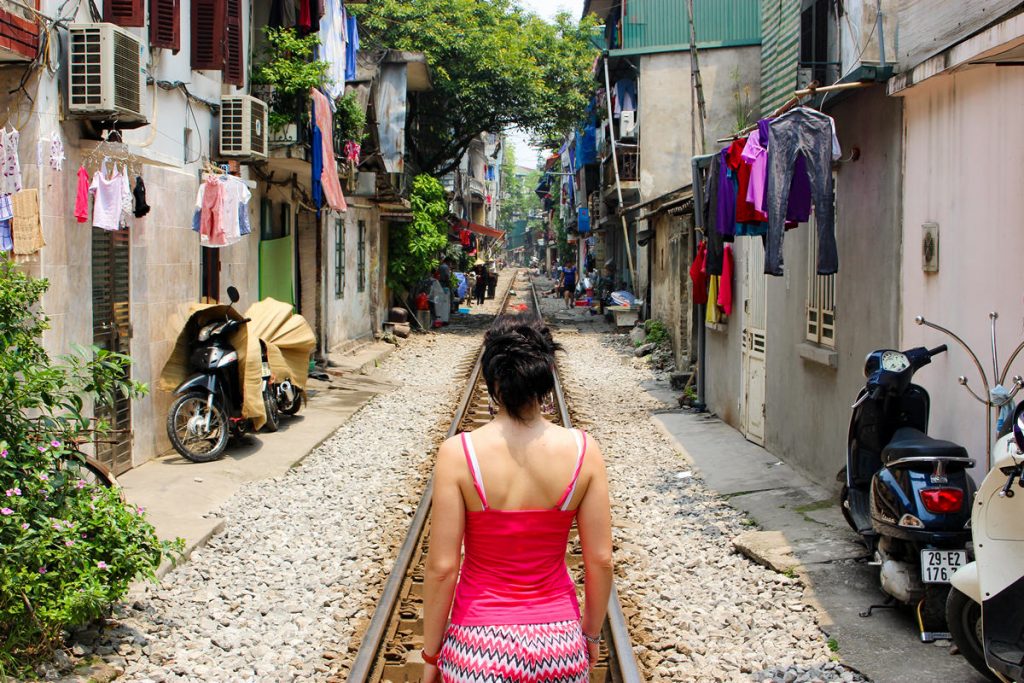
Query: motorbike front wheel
{"points": [[191, 434], [964, 618], [270, 407]]}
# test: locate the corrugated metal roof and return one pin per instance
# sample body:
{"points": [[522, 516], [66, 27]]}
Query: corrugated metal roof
{"points": [[663, 25], [780, 52]]}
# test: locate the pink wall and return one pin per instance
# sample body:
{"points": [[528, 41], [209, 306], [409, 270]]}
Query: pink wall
{"points": [[964, 169]]}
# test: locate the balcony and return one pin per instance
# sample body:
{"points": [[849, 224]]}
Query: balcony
{"points": [[289, 147], [629, 174], [19, 36]]}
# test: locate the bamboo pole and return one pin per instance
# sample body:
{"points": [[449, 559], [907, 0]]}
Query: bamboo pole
{"points": [[618, 181]]}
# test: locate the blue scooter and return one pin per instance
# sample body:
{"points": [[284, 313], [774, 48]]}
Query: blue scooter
{"points": [[906, 494]]}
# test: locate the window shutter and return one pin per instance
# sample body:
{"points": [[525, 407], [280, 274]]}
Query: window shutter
{"points": [[234, 57], [208, 35], [125, 12], [165, 24]]}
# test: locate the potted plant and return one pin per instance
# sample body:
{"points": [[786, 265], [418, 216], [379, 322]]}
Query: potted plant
{"points": [[284, 74]]}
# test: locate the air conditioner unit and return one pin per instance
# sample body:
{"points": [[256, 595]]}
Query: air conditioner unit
{"points": [[243, 127], [628, 125], [105, 73]]}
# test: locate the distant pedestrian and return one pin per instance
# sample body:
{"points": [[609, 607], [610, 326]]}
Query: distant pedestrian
{"points": [[569, 284], [480, 288], [509, 492]]}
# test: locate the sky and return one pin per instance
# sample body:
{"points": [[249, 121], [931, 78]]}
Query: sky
{"points": [[525, 154]]}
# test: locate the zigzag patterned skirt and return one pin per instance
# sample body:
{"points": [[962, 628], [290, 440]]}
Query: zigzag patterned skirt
{"points": [[523, 653]]}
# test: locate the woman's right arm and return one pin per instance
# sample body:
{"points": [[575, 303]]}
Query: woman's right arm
{"points": [[594, 521]]}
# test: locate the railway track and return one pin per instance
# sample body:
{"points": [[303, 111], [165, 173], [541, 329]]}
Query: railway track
{"points": [[391, 645]]}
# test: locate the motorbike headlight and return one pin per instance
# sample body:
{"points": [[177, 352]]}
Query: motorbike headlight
{"points": [[204, 334]]}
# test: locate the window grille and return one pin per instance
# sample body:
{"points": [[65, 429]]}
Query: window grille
{"points": [[362, 257], [820, 322], [339, 258]]}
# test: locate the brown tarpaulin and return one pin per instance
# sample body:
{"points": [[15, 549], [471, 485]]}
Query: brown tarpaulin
{"points": [[250, 366], [288, 337]]}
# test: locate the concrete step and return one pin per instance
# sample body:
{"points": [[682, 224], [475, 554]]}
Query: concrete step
{"points": [[360, 360]]}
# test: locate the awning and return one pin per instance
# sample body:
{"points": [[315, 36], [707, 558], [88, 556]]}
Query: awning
{"points": [[463, 224]]}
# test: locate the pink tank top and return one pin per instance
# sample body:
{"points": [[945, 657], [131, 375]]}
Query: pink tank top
{"points": [[514, 567]]}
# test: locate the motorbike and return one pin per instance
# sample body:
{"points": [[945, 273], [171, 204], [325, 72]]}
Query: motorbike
{"points": [[907, 494], [286, 342], [225, 386]]}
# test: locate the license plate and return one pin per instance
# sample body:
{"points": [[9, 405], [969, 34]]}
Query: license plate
{"points": [[937, 566]]}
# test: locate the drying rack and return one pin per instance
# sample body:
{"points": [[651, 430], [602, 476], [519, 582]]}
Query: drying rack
{"points": [[112, 148]]}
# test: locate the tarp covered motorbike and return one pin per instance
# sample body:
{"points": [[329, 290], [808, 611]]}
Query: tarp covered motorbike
{"points": [[246, 344], [288, 337]]}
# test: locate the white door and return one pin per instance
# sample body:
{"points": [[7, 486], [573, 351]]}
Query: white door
{"points": [[755, 307]]}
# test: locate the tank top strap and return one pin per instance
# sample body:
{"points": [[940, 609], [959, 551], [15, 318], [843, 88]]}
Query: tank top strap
{"points": [[581, 445], [474, 467]]}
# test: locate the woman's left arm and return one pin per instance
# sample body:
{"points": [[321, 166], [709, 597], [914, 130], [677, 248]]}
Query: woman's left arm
{"points": [[447, 523]]}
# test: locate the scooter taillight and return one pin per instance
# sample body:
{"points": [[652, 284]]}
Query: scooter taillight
{"points": [[942, 501]]}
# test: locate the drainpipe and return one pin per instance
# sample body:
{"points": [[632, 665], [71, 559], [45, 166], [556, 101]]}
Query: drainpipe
{"points": [[701, 309], [881, 33]]}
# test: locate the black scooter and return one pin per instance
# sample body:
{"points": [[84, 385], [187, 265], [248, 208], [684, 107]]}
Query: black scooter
{"points": [[208, 407], [908, 495]]}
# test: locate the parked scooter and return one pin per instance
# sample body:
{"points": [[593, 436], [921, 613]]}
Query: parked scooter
{"points": [[225, 393], [286, 342], [907, 494]]}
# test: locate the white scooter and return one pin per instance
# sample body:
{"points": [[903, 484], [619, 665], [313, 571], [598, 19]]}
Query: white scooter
{"points": [[985, 608]]}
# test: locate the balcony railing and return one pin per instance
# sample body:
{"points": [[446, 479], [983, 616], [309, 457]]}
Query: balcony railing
{"points": [[629, 166]]}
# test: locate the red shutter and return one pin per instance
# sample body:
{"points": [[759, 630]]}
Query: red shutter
{"points": [[234, 42], [208, 34], [125, 12], [165, 24]]}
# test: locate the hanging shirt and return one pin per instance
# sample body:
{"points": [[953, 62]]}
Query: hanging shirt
{"points": [[332, 47], [724, 299], [127, 201], [698, 276], [324, 121], [10, 166], [231, 221], [351, 46], [211, 217], [106, 202], [82, 196], [712, 314], [726, 200], [6, 239], [141, 207]]}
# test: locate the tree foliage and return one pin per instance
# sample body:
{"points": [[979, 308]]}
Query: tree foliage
{"points": [[493, 65], [68, 549], [518, 198], [288, 66], [414, 249]]}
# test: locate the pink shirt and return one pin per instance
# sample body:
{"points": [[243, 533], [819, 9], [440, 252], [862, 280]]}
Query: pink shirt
{"points": [[756, 154], [514, 570]]}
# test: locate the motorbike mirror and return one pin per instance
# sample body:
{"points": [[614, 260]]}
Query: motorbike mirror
{"points": [[1018, 426], [233, 295]]}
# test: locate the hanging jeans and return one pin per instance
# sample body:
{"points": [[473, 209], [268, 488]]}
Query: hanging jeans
{"points": [[801, 131], [716, 241]]}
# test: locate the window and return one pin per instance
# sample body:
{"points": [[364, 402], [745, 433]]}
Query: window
{"points": [[821, 292], [217, 40], [165, 24], [125, 12], [814, 42], [339, 258], [271, 229], [362, 257]]}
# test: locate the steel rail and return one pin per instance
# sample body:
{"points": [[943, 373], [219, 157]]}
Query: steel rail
{"points": [[618, 628], [373, 639]]}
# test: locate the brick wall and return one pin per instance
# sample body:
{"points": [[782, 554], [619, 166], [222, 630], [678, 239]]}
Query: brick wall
{"points": [[17, 35]]}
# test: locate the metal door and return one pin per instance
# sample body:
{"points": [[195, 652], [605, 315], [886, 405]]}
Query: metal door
{"points": [[111, 329], [755, 319]]}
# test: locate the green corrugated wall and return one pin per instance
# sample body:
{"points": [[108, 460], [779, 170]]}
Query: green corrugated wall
{"points": [[663, 25], [780, 52]]}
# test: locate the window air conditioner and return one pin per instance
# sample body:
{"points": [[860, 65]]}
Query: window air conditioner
{"points": [[105, 73], [628, 125], [243, 127]]}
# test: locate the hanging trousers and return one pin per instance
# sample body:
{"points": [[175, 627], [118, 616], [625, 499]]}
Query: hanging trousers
{"points": [[801, 131]]}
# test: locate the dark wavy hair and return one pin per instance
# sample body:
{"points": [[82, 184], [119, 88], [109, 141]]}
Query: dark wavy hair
{"points": [[518, 362]]}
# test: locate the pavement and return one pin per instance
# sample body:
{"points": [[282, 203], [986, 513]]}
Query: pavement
{"points": [[800, 529], [181, 497]]}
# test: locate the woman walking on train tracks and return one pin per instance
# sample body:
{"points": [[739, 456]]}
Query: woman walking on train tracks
{"points": [[510, 492]]}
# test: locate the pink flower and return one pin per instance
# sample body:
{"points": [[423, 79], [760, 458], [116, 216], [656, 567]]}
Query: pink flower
{"points": [[69, 543], [80, 484], [13, 492], [6, 511], [102, 565], [55, 443], [42, 449], [44, 477], [3, 453], [24, 525], [42, 570], [140, 509]]}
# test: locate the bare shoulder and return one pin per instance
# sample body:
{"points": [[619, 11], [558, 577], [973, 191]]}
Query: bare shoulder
{"points": [[450, 458], [594, 451]]}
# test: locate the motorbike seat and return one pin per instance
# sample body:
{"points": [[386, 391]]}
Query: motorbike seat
{"points": [[908, 442]]}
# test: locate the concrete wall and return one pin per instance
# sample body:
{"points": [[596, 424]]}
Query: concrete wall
{"points": [[670, 282], [810, 387], [664, 109], [962, 140], [349, 316]]}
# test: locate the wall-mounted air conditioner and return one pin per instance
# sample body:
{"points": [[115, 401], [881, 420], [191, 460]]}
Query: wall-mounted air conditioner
{"points": [[105, 73], [628, 125], [243, 127]]}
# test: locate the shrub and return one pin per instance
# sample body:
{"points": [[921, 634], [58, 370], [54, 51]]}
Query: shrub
{"points": [[68, 549], [657, 332], [414, 248]]}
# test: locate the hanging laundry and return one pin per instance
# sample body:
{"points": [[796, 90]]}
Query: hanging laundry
{"points": [[328, 177], [726, 220], [352, 150], [6, 214], [712, 313], [798, 209], [10, 165], [106, 203], [141, 207], [127, 201], [625, 96], [745, 211], [221, 215], [801, 131], [724, 299], [282, 14], [332, 47], [698, 276], [26, 228], [211, 215], [305, 23], [715, 239], [351, 46], [82, 196], [50, 149]]}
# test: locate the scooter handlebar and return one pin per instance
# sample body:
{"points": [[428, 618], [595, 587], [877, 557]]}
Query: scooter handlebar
{"points": [[937, 350]]}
